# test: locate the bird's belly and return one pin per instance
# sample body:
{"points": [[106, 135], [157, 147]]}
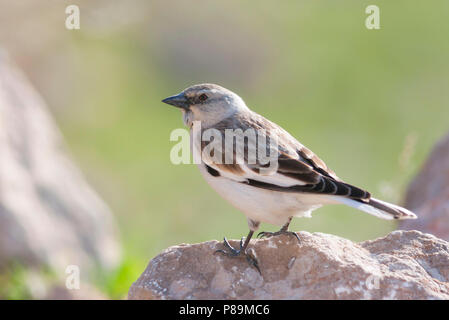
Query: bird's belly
{"points": [[261, 204]]}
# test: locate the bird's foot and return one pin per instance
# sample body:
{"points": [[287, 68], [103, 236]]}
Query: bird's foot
{"points": [[267, 234], [230, 251]]}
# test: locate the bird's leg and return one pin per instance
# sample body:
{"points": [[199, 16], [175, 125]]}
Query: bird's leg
{"points": [[283, 230], [232, 252]]}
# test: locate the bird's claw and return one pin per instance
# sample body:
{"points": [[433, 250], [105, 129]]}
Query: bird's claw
{"points": [[230, 251], [267, 234], [252, 262]]}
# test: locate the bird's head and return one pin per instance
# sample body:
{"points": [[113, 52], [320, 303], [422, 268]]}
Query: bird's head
{"points": [[208, 103]]}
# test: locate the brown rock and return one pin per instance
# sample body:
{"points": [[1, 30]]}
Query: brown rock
{"points": [[428, 194], [402, 265]]}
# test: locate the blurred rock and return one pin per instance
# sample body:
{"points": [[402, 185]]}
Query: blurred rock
{"points": [[49, 215], [85, 292], [402, 265], [428, 194]]}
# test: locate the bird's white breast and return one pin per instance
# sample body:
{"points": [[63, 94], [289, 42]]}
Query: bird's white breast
{"points": [[261, 204]]}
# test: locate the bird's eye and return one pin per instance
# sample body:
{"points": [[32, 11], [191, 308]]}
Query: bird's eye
{"points": [[202, 97]]}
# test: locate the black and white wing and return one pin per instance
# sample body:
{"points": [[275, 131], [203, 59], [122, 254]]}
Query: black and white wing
{"points": [[298, 169]]}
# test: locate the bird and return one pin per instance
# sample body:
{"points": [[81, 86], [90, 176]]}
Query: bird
{"points": [[297, 184]]}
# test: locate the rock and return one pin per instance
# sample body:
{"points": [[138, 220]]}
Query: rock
{"points": [[85, 292], [49, 215], [428, 194], [402, 265]]}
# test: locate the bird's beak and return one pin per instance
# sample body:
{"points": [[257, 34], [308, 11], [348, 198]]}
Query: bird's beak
{"points": [[179, 100]]}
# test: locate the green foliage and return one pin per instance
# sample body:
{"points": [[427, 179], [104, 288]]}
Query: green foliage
{"points": [[115, 284], [12, 284], [18, 282]]}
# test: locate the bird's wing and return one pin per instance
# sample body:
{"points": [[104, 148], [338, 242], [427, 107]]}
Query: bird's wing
{"points": [[297, 169]]}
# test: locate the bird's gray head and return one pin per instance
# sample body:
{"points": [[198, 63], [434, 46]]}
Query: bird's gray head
{"points": [[208, 103]]}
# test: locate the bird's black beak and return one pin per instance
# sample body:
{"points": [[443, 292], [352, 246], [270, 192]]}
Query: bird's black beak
{"points": [[179, 100]]}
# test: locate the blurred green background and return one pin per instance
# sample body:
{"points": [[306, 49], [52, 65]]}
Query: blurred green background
{"points": [[371, 103]]}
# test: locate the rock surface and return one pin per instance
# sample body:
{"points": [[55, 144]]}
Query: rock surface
{"points": [[49, 215], [402, 265], [428, 194]]}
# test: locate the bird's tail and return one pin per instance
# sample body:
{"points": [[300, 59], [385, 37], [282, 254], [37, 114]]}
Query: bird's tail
{"points": [[379, 208]]}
